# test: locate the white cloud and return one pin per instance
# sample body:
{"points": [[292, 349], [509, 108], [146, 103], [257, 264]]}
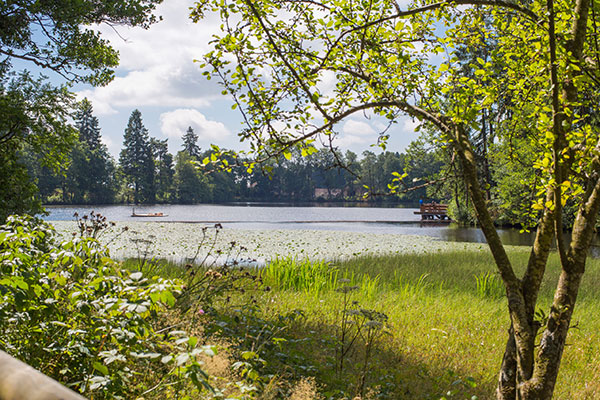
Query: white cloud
{"points": [[158, 86], [175, 124], [157, 65], [410, 124], [174, 40], [360, 128], [352, 141]]}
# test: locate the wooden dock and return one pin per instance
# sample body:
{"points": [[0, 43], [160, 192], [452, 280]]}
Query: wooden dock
{"points": [[433, 212]]}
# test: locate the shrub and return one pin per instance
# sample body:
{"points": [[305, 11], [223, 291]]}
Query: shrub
{"points": [[71, 312]]}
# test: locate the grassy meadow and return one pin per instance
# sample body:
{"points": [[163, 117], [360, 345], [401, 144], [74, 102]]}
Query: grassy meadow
{"points": [[403, 326]]}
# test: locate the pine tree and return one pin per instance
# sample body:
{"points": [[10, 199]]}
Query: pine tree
{"points": [[87, 124], [137, 161], [90, 177], [190, 143]]}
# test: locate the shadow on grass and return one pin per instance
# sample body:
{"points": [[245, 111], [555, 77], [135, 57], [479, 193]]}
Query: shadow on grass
{"points": [[405, 365], [294, 346]]}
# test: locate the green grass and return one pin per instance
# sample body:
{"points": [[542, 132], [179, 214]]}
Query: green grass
{"points": [[447, 322]]}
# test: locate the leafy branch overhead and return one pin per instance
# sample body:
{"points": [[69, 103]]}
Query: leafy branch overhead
{"points": [[61, 36], [297, 69]]}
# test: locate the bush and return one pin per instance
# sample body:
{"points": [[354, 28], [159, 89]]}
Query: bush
{"points": [[71, 312]]}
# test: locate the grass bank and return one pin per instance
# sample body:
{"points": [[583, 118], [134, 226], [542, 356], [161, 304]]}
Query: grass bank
{"points": [[403, 326]]}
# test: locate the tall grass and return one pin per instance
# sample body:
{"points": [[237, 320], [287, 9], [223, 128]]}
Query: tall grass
{"points": [[448, 317], [315, 277], [304, 276], [450, 321], [489, 285]]}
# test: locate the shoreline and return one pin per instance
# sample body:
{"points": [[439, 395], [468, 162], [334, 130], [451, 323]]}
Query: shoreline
{"points": [[179, 241]]}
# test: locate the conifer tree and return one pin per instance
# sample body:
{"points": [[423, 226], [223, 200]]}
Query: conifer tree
{"points": [[90, 177], [137, 161], [87, 124], [190, 143]]}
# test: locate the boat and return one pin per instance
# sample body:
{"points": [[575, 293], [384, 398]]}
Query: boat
{"points": [[156, 214]]}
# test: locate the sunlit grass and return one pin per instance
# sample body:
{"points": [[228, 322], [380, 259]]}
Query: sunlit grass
{"points": [[448, 322]]}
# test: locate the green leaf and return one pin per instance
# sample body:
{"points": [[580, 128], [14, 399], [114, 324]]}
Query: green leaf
{"points": [[249, 355], [103, 369]]}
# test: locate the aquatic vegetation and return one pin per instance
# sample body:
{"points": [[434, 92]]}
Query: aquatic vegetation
{"points": [[179, 241]]}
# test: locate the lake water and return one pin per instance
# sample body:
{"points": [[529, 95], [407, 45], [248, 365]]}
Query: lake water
{"points": [[317, 216]]}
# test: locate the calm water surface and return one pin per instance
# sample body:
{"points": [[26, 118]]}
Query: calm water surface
{"points": [[319, 216]]}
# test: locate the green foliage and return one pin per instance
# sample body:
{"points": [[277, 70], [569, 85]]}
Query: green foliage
{"points": [[190, 144], [19, 193], [55, 36], [68, 45], [36, 113], [68, 310], [90, 177], [164, 171], [191, 185]]}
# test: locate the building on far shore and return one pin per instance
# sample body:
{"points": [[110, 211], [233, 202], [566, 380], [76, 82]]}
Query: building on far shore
{"points": [[330, 194]]}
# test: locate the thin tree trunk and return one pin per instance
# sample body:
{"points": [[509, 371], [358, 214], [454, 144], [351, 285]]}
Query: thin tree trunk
{"points": [[507, 381]]}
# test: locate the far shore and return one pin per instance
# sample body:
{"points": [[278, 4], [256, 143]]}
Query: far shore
{"points": [[180, 242]]}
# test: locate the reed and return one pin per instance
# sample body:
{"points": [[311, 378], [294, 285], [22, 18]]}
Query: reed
{"points": [[489, 285], [300, 275]]}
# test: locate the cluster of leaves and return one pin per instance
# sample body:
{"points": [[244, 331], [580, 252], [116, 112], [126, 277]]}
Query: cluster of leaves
{"points": [[264, 350], [68, 310]]}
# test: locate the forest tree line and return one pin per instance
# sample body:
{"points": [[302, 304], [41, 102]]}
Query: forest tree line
{"points": [[146, 172]]}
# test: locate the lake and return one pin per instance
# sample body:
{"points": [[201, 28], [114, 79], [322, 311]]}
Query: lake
{"points": [[316, 216]]}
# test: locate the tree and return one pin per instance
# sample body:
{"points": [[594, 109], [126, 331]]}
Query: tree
{"points": [[548, 56], [34, 117], [137, 160], [87, 125], [19, 193], [54, 36], [190, 143], [191, 186], [58, 35], [164, 172], [92, 169]]}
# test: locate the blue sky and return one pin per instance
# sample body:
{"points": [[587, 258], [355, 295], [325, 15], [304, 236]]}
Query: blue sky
{"points": [[158, 76]]}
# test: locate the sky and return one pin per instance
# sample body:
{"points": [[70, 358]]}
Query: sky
{"points": [[158, 75]]}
